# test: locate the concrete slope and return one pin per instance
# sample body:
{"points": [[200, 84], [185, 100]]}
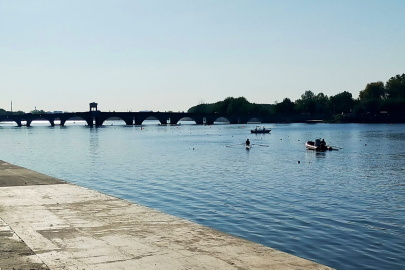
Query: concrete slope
{"points": [[46, 223]]}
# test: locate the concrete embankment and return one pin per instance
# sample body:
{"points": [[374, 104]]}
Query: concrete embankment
{"points": [[46, 223]]}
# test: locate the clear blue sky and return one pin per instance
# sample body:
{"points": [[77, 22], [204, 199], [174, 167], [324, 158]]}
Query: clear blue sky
{"points": [[170, 55]]}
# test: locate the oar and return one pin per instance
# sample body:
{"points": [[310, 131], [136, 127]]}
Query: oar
{"points": [[261, 145], [234, 144], [336, 147]]}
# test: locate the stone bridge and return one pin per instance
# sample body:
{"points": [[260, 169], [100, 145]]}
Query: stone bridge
{"points": [[97, 118]]}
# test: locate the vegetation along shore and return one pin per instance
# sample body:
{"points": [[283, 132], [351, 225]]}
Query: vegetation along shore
{"points": [[378, 102]]}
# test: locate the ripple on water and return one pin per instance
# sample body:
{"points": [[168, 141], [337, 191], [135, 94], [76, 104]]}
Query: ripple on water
{"points": [[344, 209]]}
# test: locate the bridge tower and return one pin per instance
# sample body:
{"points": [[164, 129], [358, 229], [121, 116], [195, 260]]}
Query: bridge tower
{"points": [[94, 115], [93, 107]]}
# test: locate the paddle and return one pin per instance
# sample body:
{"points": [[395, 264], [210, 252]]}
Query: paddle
{"points": [[261, 145], [234, 144]]}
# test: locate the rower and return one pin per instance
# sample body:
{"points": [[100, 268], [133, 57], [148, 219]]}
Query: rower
{"points": [[247, 142]]}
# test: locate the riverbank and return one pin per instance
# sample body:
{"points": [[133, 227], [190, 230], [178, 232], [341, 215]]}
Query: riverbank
{"points": [[46, 223]]}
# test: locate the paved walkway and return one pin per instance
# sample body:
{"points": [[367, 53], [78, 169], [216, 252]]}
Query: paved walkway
{"points": [[46, 223]]}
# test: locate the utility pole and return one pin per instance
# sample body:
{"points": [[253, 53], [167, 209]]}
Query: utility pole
{"points": [[11, 107]]}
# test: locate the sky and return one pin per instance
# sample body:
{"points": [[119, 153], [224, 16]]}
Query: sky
{"points": [[172, 55]]}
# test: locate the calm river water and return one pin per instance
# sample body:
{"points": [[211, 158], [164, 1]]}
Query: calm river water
{"points": [[344, 209]]}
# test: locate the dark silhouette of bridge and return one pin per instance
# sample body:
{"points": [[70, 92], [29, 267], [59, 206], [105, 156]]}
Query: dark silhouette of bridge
{"points": [[95, 117]]}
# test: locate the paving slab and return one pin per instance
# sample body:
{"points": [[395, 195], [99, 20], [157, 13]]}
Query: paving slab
{"points": [[47, 223]]}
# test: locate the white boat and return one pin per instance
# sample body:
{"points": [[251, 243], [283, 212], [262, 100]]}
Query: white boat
{"points": [[248, 147], [318, 145], [260, 129]]}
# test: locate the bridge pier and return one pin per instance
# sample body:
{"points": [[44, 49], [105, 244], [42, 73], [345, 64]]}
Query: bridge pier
{"points": [[199, 122], [208, 121], [173, 120], [98, 121], [139, 120], [29, 123], [129, 121], [234, 121], [162, 120], [18, 122], [52, 122]]}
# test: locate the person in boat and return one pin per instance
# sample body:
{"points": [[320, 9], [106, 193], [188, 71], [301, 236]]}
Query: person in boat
{"points": [[247, 142], [323, 144]]}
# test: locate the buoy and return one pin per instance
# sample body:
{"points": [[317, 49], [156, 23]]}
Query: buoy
{"points": [[299, 161]]}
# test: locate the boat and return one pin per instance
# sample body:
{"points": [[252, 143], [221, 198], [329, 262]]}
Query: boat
{"points": [[318, 145], [260, 129], [248, 147]]}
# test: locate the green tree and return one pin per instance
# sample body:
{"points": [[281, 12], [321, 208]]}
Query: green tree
{"points": [[341, 103], [372, 96], [37, 112], [222, 106], [307, 102], [395, 87], [375, 90], [285, 107], [239, 105], [202, 108], [322, 103]]}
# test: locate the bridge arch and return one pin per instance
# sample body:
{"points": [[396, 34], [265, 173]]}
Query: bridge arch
{"points": [[33, 118], [187, 120], [29, 118], [222, 120], [139, 121], [126, 120], [254, 120], [63, 120]]}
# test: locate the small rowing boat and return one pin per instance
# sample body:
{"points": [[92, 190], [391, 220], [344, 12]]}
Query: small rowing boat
{"points": [[248, 147], [318, 145], [260, 129]]}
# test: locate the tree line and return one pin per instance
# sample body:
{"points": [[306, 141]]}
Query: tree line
{"points": [[376, 97], [4, 112]]}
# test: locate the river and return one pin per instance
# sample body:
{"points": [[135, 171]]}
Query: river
{"points": [[344, 209]]}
